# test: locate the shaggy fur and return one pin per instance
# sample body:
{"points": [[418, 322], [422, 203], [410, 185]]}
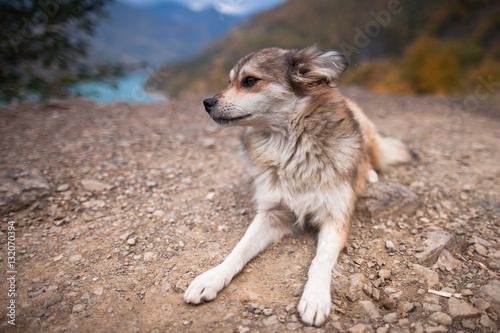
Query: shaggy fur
{"points": [[309, 151]]}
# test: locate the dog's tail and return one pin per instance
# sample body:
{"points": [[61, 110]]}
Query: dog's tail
{"points": [[388, 151]]}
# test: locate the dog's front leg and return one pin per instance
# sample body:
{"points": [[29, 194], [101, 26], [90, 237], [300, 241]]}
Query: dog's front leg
{"points": [[265, 229], [314, 306]]}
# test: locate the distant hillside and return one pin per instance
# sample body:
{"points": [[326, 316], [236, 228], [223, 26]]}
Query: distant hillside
{"points": [[422, 46], [159, 34]]}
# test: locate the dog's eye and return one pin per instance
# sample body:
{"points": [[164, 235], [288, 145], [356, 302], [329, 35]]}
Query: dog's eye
{"points": [[249, 81]]}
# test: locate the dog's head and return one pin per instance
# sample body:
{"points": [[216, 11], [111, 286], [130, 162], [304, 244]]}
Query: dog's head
{"points": [[265, 86]]}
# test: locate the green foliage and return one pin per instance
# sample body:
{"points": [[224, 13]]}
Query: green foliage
{"points": [[43, 46], [431, 67], [427, 47]]}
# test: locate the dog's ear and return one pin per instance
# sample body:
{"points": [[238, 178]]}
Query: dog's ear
{"points": [[310, 67]]}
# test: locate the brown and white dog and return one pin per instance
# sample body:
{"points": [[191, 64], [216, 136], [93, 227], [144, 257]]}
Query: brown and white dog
{"points": [[310, 153]]}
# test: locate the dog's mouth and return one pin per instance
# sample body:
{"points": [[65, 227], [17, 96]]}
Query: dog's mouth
{"points": [[227, 120]]}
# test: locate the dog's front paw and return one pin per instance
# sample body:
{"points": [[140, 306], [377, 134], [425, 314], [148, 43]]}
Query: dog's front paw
{"points": [[206, 286], [315, 305]]}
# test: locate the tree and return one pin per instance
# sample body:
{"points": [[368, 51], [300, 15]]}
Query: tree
{"points": [[44, 44]]}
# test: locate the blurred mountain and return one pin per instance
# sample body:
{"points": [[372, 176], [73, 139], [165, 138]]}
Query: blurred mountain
{"points": [[403, 46], [159, 34]]}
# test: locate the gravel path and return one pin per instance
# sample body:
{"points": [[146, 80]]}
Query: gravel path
{"points": [[139, 199]]}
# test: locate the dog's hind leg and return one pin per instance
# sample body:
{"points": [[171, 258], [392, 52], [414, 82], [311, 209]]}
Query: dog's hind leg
{"points": [[314, 306], [267, 227]]}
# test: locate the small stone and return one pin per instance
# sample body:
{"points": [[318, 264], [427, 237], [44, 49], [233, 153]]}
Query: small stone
{"points": [[405, 307], [165, 287], [390, 303], [292, 326], [243, 329], [432, 307], [131, 241], [434, 244], [57, 258], [290, 308], [461, 309], [368, 290], [52, 300], [480, 304], [353, 297], [40, 313], [267, 312], [384, 274], [269, 321], [78, 308], [187, 322], [441, 318], [488, 323], [427, 273], [148, 256], [389, 246], [359, 328], [94, 185], [75, 258], [468, 324], [491, 291], [126, 235], [111, 310], [298, 291], [481, 250], [448, 262], [98, 291], [436, 329], [181, 286], [62, 188], [370, 309], [391, 318], [210, 196]]}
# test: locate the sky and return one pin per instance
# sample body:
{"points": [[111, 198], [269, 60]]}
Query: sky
{"points": [[231, 7]]}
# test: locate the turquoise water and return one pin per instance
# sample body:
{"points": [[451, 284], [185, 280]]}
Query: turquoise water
{"points": [[129, 89]]}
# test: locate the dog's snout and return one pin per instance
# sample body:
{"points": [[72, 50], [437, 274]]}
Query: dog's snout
{"points": [[209, 103]]}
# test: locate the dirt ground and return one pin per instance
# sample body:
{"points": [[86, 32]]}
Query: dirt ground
{"points": [[144, 198]]}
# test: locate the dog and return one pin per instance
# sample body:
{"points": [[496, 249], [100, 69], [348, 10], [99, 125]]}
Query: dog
{"points": [[310, 153]]}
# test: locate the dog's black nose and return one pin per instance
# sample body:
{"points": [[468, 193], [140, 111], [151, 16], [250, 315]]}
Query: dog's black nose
{"points": [[209, 103]]}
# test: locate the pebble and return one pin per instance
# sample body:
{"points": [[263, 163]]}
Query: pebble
{"points": [[389, 303], [52, 301], [384, 274], [165, 287], [269, 321], [148, 256], [75, 258], [370, 309], [353, 297], [491, 291], [359, 328], [292, 326], [98, 291], [436, 329], [427, 273], [94, 185], [441, 318], [131, 241], [391, 318], [488, 323], [389, 246], [434, 244], [62, 188], [77, 308], [267, 312], [461, 309], [405, 307]]}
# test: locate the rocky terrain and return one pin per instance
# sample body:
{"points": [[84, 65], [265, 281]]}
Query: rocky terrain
{"points": [[114, 209]]}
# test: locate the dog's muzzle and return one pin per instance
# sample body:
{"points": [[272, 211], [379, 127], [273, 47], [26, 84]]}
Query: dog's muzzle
{"points": [[209, 103]]}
